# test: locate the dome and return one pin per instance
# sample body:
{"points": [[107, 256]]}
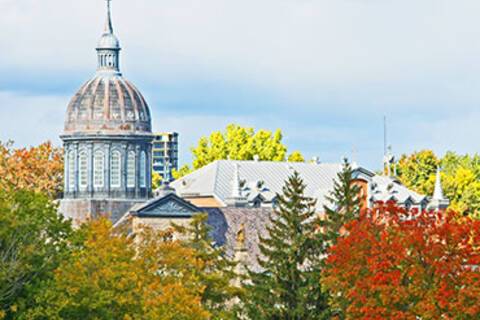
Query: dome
{"points": [[108, 104], [108, 41]]}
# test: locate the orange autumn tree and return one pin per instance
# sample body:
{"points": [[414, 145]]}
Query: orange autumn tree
{"points": [[398, 264], [111, 275], [38, 169]]}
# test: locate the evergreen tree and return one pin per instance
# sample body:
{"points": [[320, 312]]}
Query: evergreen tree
{"points": [[216, 272], [344, 204], [288, 287]]}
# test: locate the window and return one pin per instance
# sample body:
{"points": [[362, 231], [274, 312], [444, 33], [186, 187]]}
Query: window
{"points": [[131, 169], [99, 169], [71, 170], [83, 170], [143, 170], [115, 167]]}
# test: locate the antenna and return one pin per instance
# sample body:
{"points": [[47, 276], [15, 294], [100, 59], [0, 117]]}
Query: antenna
{"points": [[385, 142]]}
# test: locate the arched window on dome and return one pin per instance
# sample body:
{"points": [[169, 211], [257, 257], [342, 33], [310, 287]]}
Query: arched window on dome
{"points": [[83, 170], [115, 167], [99, 169], [131, 165], [71, 170], [143, 170]]}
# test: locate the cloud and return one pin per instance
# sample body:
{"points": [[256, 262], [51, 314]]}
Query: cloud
{"points": [[325, 71], [31, 120]]}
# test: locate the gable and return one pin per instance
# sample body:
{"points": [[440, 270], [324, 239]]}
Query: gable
{"points": [[168, 206]]}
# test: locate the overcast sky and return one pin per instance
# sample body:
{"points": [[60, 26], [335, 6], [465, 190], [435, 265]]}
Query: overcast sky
{"points": [[324, 71]]}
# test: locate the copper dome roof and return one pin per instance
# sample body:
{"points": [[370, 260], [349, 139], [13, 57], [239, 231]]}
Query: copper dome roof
{"points": [[108, 104]]}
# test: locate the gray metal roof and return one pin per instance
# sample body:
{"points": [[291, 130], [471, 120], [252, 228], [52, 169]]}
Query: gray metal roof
{"points": [[267, 178], [216, 178], [388, 189]]}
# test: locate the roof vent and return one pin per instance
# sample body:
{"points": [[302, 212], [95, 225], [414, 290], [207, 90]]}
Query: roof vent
{"points": [[256, 158]]}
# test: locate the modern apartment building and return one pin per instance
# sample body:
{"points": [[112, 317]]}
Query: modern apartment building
{"points": [[165, 154]]}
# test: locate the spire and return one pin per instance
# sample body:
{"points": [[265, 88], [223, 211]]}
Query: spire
{"points": [[108, 23], [236, 182], [438, 193], [438, 201], [108, 48], [236, 199]]}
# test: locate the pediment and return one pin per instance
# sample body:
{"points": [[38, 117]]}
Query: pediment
{"points": [[168, 206]]}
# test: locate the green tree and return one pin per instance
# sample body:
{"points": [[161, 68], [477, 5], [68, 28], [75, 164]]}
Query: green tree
{"points": [[288, 286], [216, 271], [33, 241], [344, 204]]}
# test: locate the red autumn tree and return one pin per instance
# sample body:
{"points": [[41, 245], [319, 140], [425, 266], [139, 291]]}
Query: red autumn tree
{"points": [[398, 264]]}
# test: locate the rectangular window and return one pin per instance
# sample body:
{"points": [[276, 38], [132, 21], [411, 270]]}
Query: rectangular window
{"points": [[115, 178], [83, 170], [71, 170], [99, 171], [143, 170], [131, 168]]}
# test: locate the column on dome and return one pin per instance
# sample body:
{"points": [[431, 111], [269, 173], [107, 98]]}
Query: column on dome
{"points": [[149, 169]]}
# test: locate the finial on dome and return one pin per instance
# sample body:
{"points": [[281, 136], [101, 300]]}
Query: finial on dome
{"points": [[108, 47], [108, 23]]}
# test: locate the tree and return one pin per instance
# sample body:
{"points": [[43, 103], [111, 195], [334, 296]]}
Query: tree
{"points": [[39, 169], [296, 156], [460, 177], [398, 264], [114, 276], [156, 180], [417, 171], [33, 241], [344, 204], [215, 272], [288, 286], [183, 171], [240, 143]]}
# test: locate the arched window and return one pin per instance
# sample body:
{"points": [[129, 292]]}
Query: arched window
{"points": [[116, 172], [71, 170], [83, 170], [143, 170], [131, 165], [99, 169]]}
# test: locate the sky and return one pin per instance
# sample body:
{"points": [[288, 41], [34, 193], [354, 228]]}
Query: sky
{"points": [[326, 72]]}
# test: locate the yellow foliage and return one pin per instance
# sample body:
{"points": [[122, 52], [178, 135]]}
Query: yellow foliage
{"points": [[39, 169], [114, 276]]}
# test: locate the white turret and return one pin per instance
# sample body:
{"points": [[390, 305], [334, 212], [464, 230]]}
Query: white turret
{"points": [[236, 199], [438, 201]]}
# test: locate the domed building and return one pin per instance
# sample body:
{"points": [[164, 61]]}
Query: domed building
{"points": [[107, 141]]}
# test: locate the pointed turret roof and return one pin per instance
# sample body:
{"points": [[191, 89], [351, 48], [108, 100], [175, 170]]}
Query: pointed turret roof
{"points": [[438, 193]]}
